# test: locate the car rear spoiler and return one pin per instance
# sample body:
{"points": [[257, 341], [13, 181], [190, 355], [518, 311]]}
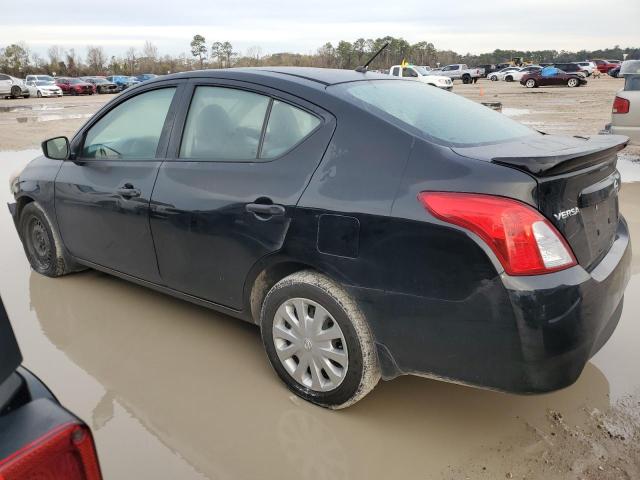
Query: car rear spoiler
{"points": [[549, 155]]}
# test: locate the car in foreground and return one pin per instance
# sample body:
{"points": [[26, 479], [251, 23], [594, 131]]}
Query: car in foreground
{"points": [[102, 85], [370, 226], [42, 88], [39, 438], [421, 74], [625, 114], [553, 77], [12, 87], [74, 86]]}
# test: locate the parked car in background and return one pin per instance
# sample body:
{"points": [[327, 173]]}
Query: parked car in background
{"points": [[571, 68], [604, 65], [39, 438], [102, 85], [500, 74], [587, 67], [13, 87], [284, 204], [422, 74], [143, 77], [39, 78], [460, 71], [487, 69], [123, 81], [625, 114], [516, 76], [43, 88], [614, 72], [74, 86], [551, 76]]}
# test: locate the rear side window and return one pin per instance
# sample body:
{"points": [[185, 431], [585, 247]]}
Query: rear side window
{"points": [[132, 129], [287, 127], [440, 116], [224, 124]]}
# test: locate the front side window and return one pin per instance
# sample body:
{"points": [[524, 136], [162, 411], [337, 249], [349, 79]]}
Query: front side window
{"points": [[395, 71], [446, 119], [224, 124], [131, 130], [287, 127]]}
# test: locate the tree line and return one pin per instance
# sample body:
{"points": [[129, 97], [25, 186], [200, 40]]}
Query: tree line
{"points": [[18, 59]]}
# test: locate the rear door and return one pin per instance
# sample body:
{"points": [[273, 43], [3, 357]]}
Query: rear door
{"points": [[5, 84], [102, 196], [224, 198]]}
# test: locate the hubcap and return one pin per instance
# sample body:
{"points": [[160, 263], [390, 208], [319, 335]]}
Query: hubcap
{"points": [[310, 344]]}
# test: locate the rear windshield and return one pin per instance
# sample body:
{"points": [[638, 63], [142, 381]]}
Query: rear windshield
{"points": [[443, 117], [632, 83]]}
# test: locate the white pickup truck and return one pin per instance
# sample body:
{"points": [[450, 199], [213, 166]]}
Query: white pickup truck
{"points": [[459, 71], [422, 74]]}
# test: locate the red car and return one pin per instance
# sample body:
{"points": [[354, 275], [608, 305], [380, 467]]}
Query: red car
{"points": [[536, 79], [75, 86], [605, 65]]}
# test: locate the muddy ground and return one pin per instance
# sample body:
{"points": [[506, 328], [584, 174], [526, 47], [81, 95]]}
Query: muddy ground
{"points": [[174, 391]]}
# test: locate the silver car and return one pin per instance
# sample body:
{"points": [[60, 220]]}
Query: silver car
{"points": [[12, 87], [625, 116]]}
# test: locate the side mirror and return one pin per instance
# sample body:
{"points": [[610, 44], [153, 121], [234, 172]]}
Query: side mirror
{"points": [[56, 148]]}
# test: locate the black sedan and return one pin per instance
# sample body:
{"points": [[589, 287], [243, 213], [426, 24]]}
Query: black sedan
{"points": [[39, 439], [371, 227], [559, 78]]}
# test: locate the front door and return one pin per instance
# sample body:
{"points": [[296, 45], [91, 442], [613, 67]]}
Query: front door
{"points": [[241, 160], [102, 196]]}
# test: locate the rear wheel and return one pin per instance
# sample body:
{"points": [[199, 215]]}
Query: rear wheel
{"points": [[466, 78], [573, 82], [38, 94], [16, 91], [530, 83], [509, 78], [318, 340]]}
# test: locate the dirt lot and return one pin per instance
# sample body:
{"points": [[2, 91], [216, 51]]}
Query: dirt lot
{"points": [[174, 391]]}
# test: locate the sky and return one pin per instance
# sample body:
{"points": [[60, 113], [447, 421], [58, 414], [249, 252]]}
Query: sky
{"points": [[473, 26]]}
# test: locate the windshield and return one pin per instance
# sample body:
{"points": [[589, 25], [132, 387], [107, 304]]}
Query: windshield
{"points": [[421, 70], [99, 80], [43, 83], [75, 80], [440, 116]]}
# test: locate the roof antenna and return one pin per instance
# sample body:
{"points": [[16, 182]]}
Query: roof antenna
{"points": [[365, 67]]}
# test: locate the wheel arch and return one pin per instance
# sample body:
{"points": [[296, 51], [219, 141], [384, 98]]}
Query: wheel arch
{"points": [[22, 202]]}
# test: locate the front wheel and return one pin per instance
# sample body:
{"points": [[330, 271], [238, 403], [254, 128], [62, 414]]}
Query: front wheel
{"points": [[509, 78], [493, 78], [531, 83], [318, 341], [41, 245], [16, 91], [573, 82], [466, 79]]}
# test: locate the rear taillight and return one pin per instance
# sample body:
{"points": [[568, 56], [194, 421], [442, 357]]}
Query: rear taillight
{"points": [[524, 241], [65, 453], [621, 105]]}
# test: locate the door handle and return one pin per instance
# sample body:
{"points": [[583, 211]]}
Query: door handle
{"points": [[265, 210], [128, 191]]}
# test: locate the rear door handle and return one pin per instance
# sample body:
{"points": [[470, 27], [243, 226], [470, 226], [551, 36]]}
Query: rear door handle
{"points": [[265, 209], [128, 191]]}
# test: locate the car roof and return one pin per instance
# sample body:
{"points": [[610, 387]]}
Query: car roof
{"points": [[319, 76]]}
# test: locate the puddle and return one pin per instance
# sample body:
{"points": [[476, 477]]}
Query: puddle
{"points": [[51, 118], [38, 108], [173, 390]]}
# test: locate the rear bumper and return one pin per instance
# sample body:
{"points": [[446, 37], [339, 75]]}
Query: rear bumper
{"points": [[517, 334], [632, 132]]}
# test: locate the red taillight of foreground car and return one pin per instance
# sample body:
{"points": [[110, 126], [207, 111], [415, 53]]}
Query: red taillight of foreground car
{"points": [[524, 241], [621, 105], [65, 453]]}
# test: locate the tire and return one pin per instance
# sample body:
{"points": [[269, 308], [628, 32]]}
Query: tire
{"points": [[466, 79], [16, 91], [573, 82], [493, 78], [41, 243], [353, 363], [26, 96], [38, 94], [530, 83], [509, 78]]}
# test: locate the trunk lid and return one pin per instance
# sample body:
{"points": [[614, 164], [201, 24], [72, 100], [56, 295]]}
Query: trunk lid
{"points": [[578, 185]]}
